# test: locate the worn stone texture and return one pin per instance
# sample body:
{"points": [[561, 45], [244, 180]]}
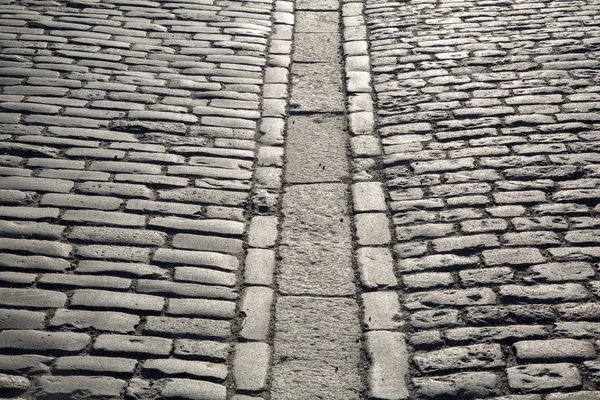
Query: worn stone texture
{"points": [[132, 173], [316, 47], [316, 341], [316, 149], [315, 241], [316, 88], [389, 367]]}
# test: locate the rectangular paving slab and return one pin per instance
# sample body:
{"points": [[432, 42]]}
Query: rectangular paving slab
{"points": [[316, 149], [316, 88], [315, 242], [316, 349]]}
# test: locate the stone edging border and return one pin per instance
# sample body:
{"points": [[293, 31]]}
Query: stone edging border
{"points": [[385, 344], [253, 349]]}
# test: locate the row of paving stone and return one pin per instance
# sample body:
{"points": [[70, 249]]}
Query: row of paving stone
{"points": [[132, 182], [488, 165]]}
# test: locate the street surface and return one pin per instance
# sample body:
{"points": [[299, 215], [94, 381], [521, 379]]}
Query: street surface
{"points": [[309, 199]]}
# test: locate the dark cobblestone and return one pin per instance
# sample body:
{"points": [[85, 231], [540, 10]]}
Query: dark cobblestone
{"points": [[456, 358]]}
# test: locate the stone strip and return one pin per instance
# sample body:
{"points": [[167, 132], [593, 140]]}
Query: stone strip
{"points": [[253, 352], [316, 332], [386, 349]]}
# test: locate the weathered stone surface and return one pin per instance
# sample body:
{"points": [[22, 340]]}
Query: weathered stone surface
{"points": [[201, 349], [136, 345], [316, 47], [495, 333], [256, 304], [52, 387], [315, 244], [32, 341], [372, 229], [465, 385], [93, 364], [21, 319], [251, 366], [316, 340], [464, 297], [554, 350], [25, 364], [176, 367], [389, 367], [315, 149], [375, 266], [543, 377], [187, 327], [193, 390], [381, 311], [316, 87], [457, 358], [12, 383]]}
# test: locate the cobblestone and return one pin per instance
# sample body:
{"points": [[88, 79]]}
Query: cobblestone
{"points": [[145, 346], [101, 365], [534, 378], [175, 367], [456, 358], [97, 386], [33, 298], [98, 320], [468, 384], [257, 355], [570, 350], [58, 342], [97, 299], [152, 204]]}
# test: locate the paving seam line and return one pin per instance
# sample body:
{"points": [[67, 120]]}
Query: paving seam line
{"points": [[384, 343], [253, 352]]}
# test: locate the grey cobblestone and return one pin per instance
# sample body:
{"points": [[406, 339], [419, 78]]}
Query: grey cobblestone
{"points": [[61, 342], [251, 366], [457, 358], [97, 299], [122, 253], [129, 162], [68, 386], [534, 378], [197, 328], [134, 345], [498, 119], [101, 321], [467, 384], [102, 365], [195, 369]]}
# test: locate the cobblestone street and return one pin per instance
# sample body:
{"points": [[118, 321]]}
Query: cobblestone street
{"points": [[299, 199]]}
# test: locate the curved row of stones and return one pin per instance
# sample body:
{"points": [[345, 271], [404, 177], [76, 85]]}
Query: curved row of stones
{"points": [[132, 180], [487, 113]]}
